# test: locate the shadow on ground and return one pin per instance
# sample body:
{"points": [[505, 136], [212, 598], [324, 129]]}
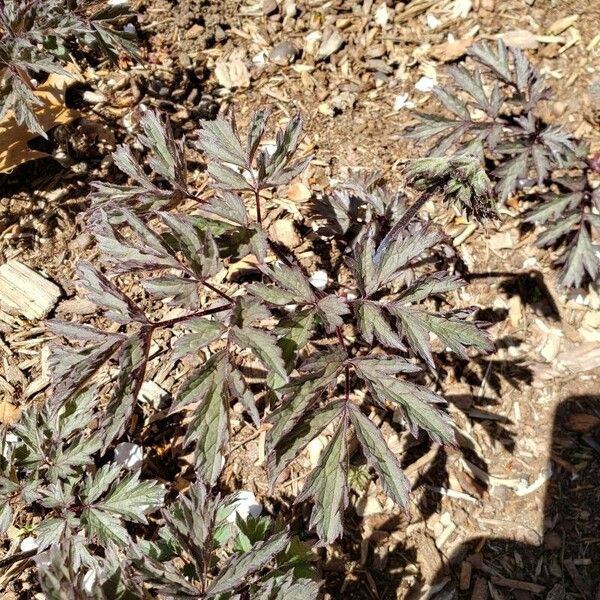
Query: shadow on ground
{"points": [[566, 562]]}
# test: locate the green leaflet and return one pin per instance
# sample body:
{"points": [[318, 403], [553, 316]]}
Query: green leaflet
{"points": [[301, 393], [293, 332], [327, 485], [209, 426], [380, 458], [417, 402], [132, 369], [245, 564], [265, 347], [373, 324], [203, 332], [307, 429]]}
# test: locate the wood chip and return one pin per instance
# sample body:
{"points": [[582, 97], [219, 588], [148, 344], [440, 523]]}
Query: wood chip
{"points": [[582, 422], [428, 556], [480, 589], [466, 569], [23, 292], [578, 580], [299, 192], [563, 24], [516, 584]]}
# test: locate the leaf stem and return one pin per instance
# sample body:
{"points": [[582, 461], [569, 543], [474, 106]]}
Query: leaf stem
{"points": [[257, 199], [216, 290], [200, 313]]}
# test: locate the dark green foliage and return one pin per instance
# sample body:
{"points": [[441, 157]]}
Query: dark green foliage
{"points": [[262, 559], [50, 470], [493, 115], [329, 359], [497, 120], [179, 254], [570, 218]]}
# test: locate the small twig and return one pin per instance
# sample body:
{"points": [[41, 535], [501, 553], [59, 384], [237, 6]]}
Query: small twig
{"points": [[258, 212], [10, 560], [216, 290], [515, 584], [245, 441], [428, 457]]}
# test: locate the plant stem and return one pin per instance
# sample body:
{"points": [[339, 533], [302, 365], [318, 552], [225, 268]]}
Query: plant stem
{"points": [[406, 218], [280, 254], [257, 199]]}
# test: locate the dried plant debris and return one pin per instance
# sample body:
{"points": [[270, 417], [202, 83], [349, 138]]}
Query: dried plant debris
{"points": [[49, 110]]}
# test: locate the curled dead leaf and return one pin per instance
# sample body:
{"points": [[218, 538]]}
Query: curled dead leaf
{"points": [[14, 139], [9, 413]]}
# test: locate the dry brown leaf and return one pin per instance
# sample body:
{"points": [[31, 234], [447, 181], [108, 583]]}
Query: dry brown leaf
{"points": [[14, 149], [449, 51], [299, 192], [9, 413]]}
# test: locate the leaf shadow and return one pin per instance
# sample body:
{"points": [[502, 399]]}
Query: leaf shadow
{"points": [[529, 286]]}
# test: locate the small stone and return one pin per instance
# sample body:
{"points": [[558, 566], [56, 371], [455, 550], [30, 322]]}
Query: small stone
{"points": [[315, 448], [290, 9], [501, 492], [559, 108], [129, 455], [432, 21], [319, 280], [488, 5], [326, 109], [343, 101], [402, 101], [312, 42], [283, 53], [28, 544], [425, 84], [244, 505], [89, 581], [382, 15]]}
